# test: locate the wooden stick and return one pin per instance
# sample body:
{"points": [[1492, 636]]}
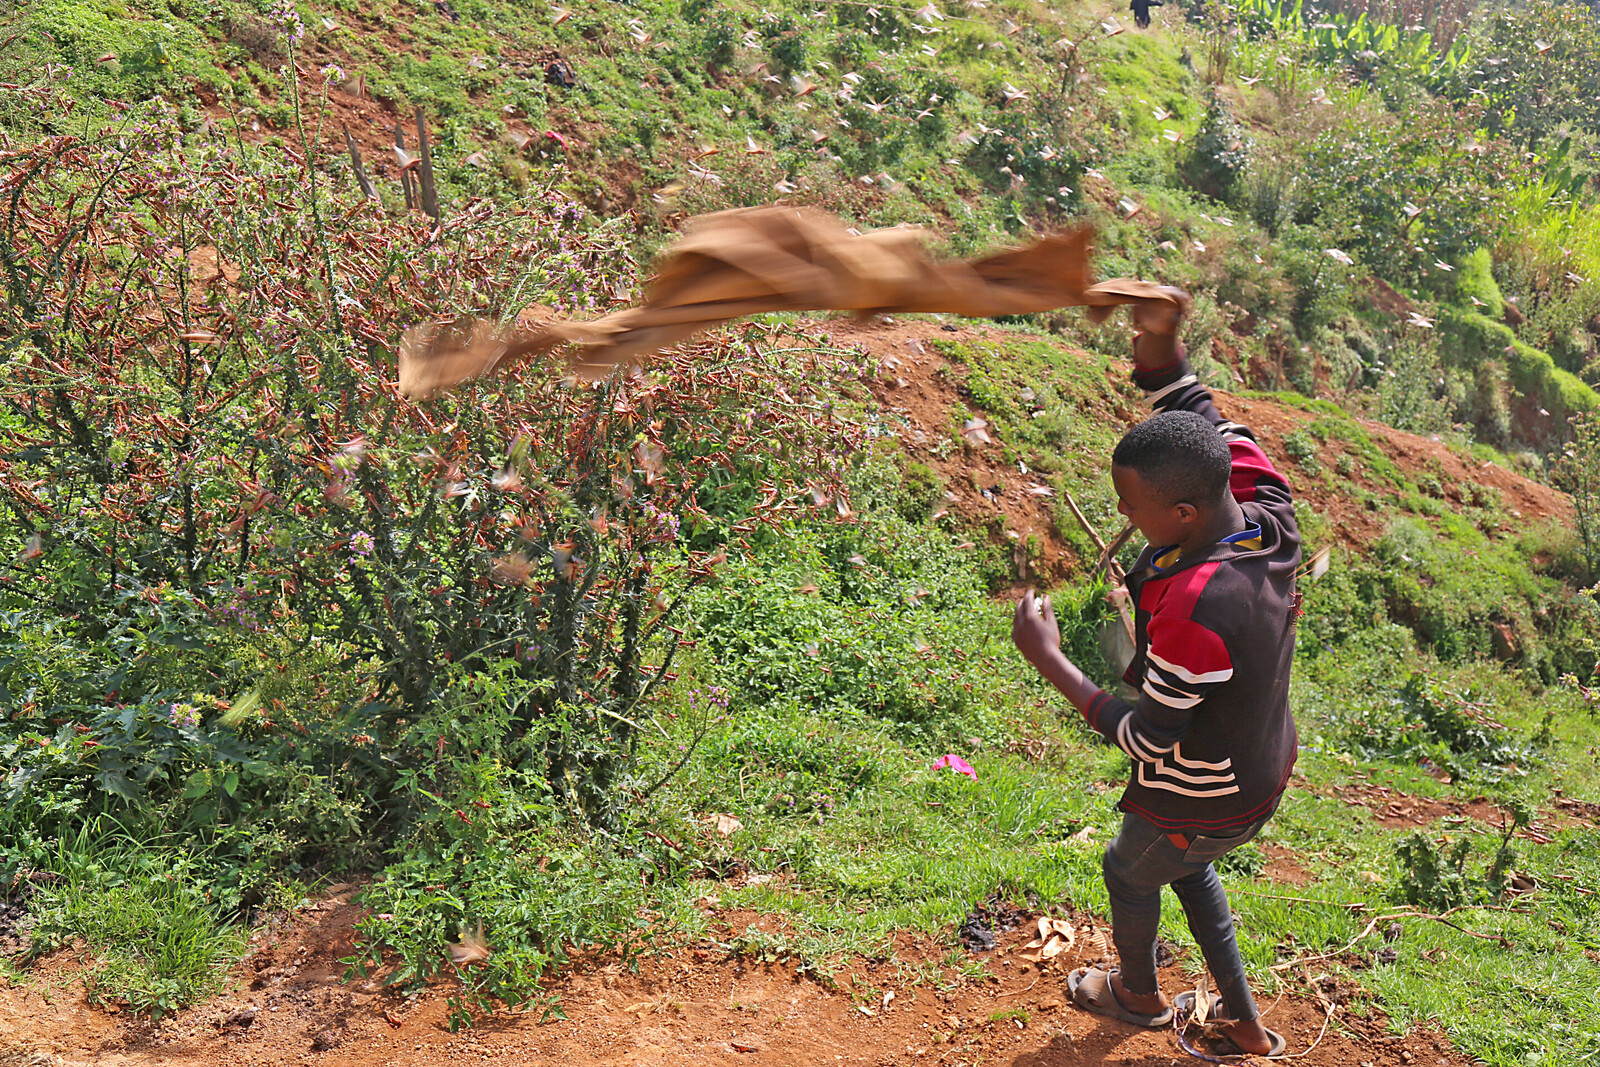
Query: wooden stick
{"points": [[1094, 535], [430, 193], [1108, 562], [355, 164], [1409, 914], [1352, 906], [1108, 555]]}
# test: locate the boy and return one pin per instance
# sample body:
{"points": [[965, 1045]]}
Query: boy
{"points": [[1211, 737]]}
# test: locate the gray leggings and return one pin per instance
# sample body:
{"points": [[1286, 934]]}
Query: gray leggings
{"points": [[1142, 859]]}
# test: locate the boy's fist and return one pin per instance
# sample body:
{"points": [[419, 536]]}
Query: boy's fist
{"points": [[1162, 316], [1156, 344], [1034, 630]]}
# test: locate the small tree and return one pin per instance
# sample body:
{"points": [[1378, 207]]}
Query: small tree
{"points": [[1578, 472]]}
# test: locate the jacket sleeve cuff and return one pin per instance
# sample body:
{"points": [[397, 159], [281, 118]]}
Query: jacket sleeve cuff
{"points": [[1153, 379]]}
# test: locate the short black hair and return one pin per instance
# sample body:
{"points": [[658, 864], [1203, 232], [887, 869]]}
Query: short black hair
{"points": [[1180, 456]]}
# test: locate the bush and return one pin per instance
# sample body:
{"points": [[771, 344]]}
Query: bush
{"points": [[1405, 193], [865, 621], [1578, 473], [1220, 156], [1411, 391], [719, 35]]}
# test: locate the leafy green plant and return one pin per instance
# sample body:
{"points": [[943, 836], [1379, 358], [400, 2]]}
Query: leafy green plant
{"points": [[1434, 877], [1304, 450], [532, 901], [1438, 874], [1220, 152]]}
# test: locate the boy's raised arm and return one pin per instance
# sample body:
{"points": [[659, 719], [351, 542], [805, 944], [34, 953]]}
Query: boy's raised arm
{"points": [[1161, 370]]}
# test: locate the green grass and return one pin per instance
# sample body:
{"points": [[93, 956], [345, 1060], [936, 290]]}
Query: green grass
{"points": [[142, 921], [1056, 412], [917, 849]]}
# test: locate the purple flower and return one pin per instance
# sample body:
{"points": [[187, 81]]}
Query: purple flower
{"points": [[361, 544], [286, 17]]}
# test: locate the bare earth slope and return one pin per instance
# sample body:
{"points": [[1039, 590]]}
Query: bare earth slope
{"points": [[924, 398]]}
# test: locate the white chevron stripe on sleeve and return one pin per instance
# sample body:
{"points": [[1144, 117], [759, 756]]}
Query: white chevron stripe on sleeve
{"points": [[1135, 744], [1184, 791], [1180, 703], [1198, 765], [1206, 678], [1156, 397]]}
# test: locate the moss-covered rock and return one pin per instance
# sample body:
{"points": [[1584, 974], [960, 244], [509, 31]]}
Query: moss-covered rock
{"points": [[1475, 282], [1542, 396]]}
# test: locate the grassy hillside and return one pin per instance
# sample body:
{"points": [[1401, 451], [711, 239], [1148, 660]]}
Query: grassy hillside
{"points": [[1294, 174], [563, 663]]}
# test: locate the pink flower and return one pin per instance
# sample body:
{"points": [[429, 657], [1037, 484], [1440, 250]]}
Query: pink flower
{"points": [[957, 764]]}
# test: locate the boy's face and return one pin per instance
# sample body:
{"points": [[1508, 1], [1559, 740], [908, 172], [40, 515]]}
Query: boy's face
{"points": [[1161, 523]]}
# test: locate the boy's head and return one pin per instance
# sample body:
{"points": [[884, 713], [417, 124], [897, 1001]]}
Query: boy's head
{"points": [[1171, 474]]}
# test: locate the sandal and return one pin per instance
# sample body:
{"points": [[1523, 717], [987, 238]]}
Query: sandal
{"points": [[1091, 990], [1183, 1004]]}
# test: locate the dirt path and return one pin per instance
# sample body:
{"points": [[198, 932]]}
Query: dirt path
{"points": [[693, 1005]]}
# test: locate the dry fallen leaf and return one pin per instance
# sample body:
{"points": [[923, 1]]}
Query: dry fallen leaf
{"points": [[1202, 999], [1101, 945], [724, 824], [1055, 937]]}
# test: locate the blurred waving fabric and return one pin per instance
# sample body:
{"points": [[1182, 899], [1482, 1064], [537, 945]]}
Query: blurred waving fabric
{"points": [[751, 260]]}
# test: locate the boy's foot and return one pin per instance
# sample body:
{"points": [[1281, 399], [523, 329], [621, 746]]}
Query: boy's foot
{"points": [[1101, 992], [1250, 1036], [1247, 1035]]}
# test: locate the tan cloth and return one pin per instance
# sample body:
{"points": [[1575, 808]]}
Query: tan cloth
{"points": [[751, 260]]}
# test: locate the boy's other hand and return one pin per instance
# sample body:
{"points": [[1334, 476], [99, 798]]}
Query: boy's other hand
{"points": [[1034, 630]]}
